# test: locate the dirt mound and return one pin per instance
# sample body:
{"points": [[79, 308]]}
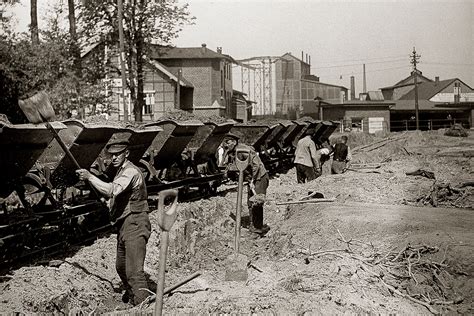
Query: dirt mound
{"points": [[104, 120], [457, 130], [180, 115]]}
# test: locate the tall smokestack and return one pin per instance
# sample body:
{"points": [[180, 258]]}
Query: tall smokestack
{"points": [[353, 93], [365, 86]]}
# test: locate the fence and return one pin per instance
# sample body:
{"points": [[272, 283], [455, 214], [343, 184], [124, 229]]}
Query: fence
{"points": [[426, 125]]}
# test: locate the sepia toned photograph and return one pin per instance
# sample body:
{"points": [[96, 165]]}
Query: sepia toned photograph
{"points": [[236, 157]]}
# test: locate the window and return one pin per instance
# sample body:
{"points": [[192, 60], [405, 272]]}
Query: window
{"points": [[357, 124], [149, 102], [457, 92]]}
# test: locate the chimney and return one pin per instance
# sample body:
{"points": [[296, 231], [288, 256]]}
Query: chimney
{"points": [[219, 50], [302, 55], [203, 47], [310, 60], [437, 79], [353, 93]]}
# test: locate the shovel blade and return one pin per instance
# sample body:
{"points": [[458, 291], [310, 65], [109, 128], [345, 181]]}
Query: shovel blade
{"points": [[236, 267], [37, 108]]}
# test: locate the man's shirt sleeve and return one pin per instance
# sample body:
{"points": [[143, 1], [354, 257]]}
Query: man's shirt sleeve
{"points": [[128, 179], [349, 155]]}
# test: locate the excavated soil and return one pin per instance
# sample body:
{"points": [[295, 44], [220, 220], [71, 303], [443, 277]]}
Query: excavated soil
{"points": [[380, 247]]}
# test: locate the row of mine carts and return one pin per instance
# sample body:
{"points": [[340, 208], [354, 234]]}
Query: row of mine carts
{"points": [[54, 210]]}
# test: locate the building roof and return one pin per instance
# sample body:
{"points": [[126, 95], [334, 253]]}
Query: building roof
{"points": [[294, 57], [426, 90], [423, 105], [324, 84], [310, 77], [358, 103], [407, 81], [182, 81], [168, 52], [375, 95]]}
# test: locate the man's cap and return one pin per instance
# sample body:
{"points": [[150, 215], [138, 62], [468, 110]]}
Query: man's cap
{"points": [[117, 146], [232, 136]]}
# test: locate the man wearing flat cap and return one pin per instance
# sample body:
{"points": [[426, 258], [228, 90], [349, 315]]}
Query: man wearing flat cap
{"points": [[258, 181], [129, 214]]}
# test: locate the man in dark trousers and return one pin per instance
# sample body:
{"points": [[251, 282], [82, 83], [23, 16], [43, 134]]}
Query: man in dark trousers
{"points": [[307, 161], [258, 180], [128, 207], [341, 156]]}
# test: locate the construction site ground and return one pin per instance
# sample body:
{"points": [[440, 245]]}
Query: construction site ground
{"points": [[388, 243]]}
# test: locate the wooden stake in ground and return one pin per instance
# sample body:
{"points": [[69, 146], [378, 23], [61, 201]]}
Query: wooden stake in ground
{"points": [[166, 219], [306, 201]]}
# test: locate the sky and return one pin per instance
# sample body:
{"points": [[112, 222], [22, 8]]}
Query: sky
{"points": [[340, 36]]}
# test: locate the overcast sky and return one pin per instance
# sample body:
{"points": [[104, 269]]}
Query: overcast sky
{"points": [[339, 35]]}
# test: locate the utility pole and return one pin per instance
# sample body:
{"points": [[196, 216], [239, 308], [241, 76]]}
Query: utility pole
{"points": [[178, 91], [122, 57], [414, 61]]}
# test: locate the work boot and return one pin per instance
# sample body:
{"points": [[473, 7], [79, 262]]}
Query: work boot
{"points": [[251, 233], [127, 296], [260, 231]]}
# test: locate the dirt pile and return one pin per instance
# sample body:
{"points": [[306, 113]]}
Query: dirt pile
{"points": [[457, 130], [445, 194], [384, 257]]}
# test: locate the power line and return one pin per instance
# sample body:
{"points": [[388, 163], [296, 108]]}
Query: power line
{"points": [[360, 72], [358, 64], [363, 60], [447, 64]]}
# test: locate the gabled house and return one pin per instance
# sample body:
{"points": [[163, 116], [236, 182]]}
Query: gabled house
{"points": [[440, 104], [160, 86], [201, 76], [209, 72], [403, 86]]}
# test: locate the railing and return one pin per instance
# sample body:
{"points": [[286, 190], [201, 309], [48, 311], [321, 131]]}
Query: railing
{"points": [[426, 125], [399, 125]]}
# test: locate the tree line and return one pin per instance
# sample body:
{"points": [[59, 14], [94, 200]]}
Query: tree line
{"points": [[49, 58]]}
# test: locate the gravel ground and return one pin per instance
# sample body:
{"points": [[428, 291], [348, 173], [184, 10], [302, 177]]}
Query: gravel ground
{"points": [[374, 215]]}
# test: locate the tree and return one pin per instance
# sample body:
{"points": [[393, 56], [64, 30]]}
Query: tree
{"points": [[75, 52], [34, 22], [26, 68], [145, 21]]}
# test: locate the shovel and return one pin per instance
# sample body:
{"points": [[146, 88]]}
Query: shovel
{"points": [[237, 263], [166, 219], [38, 109]]}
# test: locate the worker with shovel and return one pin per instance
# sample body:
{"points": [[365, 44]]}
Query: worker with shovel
{"points": [[342, 156], [129, 210], [258, 181]]}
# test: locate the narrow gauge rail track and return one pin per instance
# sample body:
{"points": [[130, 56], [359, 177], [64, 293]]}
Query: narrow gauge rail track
{"points": [[55, 211]]}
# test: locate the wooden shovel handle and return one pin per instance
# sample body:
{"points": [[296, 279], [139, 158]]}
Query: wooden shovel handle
{"points": [[166, 218], [62, 144]]}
